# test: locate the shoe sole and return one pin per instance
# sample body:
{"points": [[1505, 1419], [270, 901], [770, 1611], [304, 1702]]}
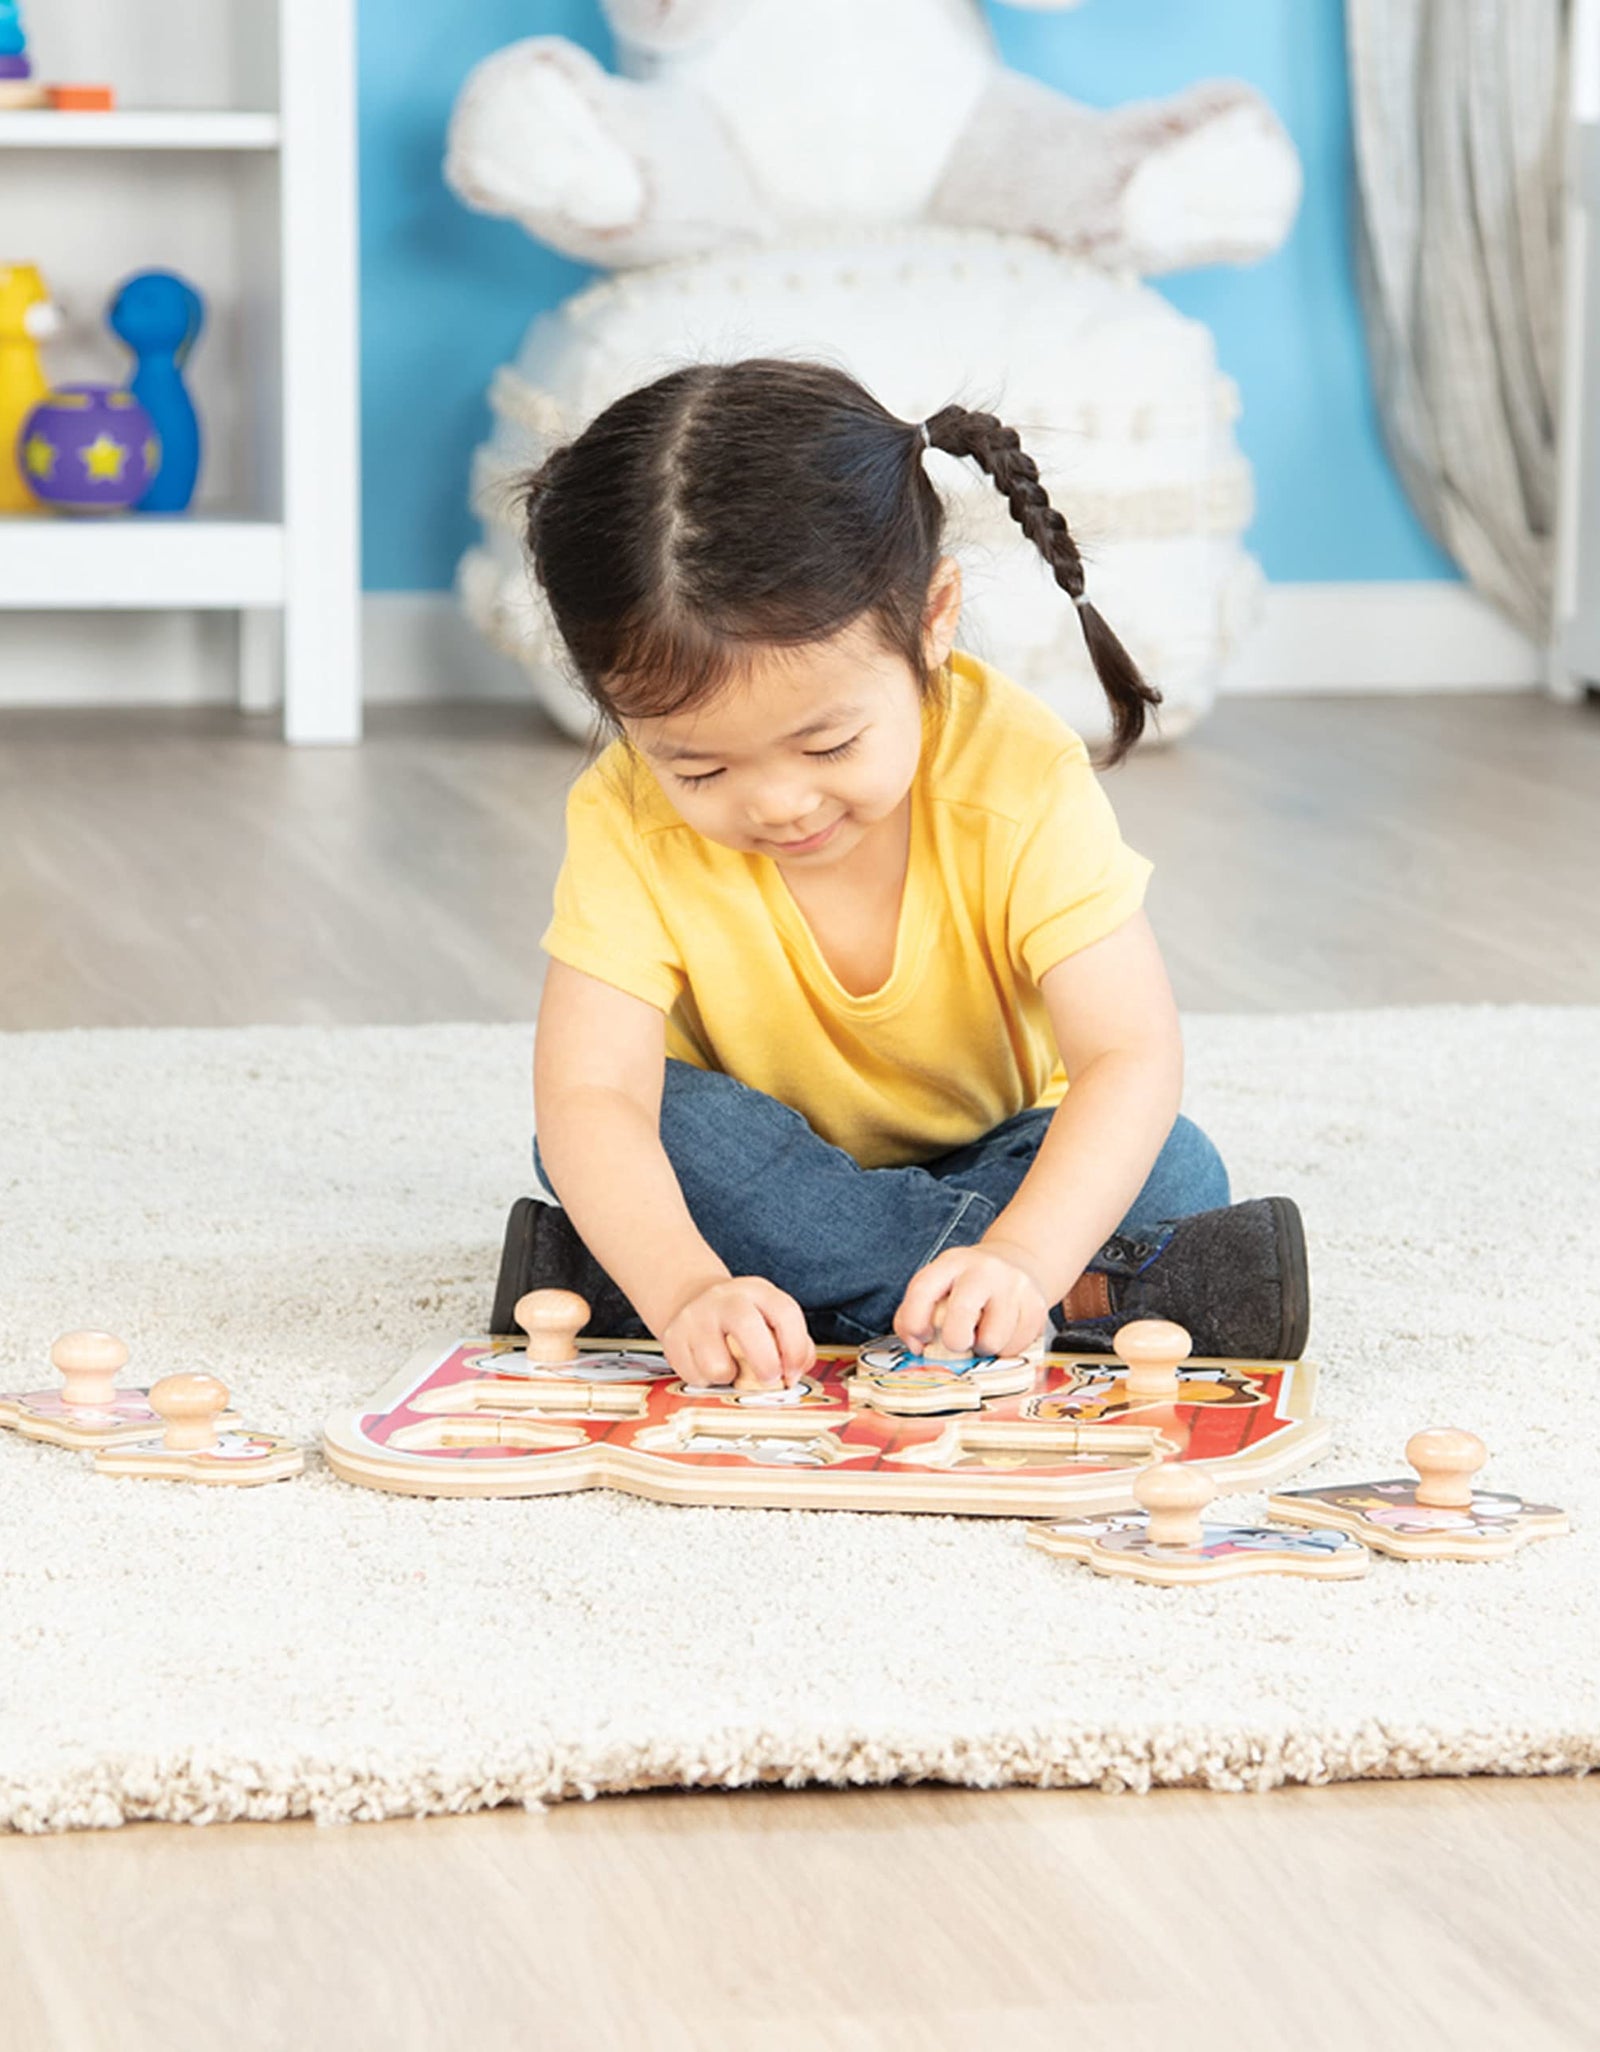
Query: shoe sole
{"points": [[516, 1265], [1294, 1296]]}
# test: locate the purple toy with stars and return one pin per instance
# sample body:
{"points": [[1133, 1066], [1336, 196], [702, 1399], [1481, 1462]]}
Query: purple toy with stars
{"points": [[89, 449]]}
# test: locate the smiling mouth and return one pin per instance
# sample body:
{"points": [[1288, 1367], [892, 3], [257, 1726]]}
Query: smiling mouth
{"points": [[810, 841]]}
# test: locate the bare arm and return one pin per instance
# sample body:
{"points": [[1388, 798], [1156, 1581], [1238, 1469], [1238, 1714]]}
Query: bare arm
{"points": [[599, 1063], [1116, 1024]]}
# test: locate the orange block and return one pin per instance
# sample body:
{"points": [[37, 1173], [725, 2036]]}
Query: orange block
{"points": [[83, 99]]}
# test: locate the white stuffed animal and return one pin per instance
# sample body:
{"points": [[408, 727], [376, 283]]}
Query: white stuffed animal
{"points": [[746, 121], [862, 180]]}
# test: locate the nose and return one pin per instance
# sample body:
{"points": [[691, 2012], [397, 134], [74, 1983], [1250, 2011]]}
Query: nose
{"points": [[782, 812]]}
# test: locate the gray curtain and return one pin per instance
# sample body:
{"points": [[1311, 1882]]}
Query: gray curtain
{"points": [[1459, 116]]}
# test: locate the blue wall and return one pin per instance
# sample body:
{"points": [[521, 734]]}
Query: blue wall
{"points": [[447, 293]]}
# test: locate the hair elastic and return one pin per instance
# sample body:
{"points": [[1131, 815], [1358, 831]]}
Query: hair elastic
{"points": [[927, 439], [1080, 598]]}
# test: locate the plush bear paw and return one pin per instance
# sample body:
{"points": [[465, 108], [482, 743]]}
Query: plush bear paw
{"points": [[536, 134], [1224, 190]]}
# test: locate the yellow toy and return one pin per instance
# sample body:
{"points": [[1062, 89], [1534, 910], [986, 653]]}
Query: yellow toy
{"points": [[26, 318]]}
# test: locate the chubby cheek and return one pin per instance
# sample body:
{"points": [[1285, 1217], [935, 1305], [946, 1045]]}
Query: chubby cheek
{"points": [[717, 821], [879, 790]]}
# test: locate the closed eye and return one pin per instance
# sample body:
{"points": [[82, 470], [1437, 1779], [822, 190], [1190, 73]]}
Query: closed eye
{"points": [[816, 754]]}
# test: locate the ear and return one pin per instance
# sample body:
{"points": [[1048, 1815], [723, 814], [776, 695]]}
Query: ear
{"points": [[942, 614]]}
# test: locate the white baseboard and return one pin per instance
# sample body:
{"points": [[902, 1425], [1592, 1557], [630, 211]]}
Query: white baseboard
{"points": [[1421, 636], [1313, 638], [418, 645], [96, 658]]}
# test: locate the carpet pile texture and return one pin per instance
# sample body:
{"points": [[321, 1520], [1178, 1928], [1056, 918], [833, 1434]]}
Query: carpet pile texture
{"points": [[297, 1209]]}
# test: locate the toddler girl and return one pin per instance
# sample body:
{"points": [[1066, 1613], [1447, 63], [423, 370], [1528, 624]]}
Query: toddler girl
{"points": [[843, 913]]}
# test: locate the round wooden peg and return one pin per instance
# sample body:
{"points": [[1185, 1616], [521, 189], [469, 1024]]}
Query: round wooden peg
{"points": [[746, 1381], [1150, 1349], [189, 1406], [1173, 1496], [1446, 1459], [935, 1349], [552, 1319], [90, 1363]]}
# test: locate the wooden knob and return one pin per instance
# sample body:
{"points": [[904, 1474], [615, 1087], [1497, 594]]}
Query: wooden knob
{"points": [[1151, 1349], [552, 1319], [747, 1380], [1174, 1495], [936, 1350], [1446, 1459], [189, 1406], [90, 1363]]}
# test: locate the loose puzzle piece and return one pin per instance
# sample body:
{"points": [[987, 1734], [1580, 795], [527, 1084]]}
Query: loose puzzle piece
{"points": [[91, 1409], [1165, 1540], [886, 1430], [191, 1449], [1440, 1516], [895, 1378]]}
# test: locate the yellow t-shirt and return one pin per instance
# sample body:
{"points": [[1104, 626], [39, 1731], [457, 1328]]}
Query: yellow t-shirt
{"points": [[1015, 863]]}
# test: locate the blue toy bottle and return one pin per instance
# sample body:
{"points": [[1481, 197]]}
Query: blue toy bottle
{"points": [[13, 43], [159, 315]]}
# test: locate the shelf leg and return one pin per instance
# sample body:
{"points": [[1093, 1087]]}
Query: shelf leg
{"points": [[322, 453]]}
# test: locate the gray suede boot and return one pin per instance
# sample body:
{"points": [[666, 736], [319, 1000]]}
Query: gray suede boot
{"points": [[543, 1252], [1234, 1278]]}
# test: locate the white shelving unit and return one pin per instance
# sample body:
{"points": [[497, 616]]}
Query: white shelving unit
{"points": [[231, 159], [1575, 658], [180, 129]]}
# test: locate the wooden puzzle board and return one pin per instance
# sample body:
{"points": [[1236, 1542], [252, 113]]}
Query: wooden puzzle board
{"points": [[455, 1422]]}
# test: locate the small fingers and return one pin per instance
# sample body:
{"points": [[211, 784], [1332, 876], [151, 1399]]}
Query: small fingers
{"points": [[709, 1365], [998, 1329], [1012, 1323], [751, 1342], [796, 1349], [957, 1317], [916, 1318]]}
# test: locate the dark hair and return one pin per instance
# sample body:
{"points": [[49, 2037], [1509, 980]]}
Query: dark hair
{"points": [[768, 501]]}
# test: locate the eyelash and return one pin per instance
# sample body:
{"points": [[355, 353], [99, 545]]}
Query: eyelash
{"points": [[816, 754]]}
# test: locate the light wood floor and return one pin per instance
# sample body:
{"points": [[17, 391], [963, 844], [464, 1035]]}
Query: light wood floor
{"points": [[182, 868]]}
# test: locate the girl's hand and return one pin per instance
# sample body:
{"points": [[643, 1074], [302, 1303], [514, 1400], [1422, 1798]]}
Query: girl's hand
{"points": [[981, 1300], [740, 1319]]}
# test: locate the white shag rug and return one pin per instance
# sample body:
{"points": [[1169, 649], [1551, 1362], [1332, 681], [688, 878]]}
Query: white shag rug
{"points": [[297, 1208]]}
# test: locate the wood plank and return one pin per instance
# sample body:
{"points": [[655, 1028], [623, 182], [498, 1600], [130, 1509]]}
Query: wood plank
{"points": [[1406, 1913], [180, 868]]}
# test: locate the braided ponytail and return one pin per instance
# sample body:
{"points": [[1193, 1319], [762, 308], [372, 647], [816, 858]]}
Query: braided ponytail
{"points": [[998, 450]]}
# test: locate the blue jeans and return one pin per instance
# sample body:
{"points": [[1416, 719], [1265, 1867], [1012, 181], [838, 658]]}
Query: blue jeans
{"points": [[773, 1198]]}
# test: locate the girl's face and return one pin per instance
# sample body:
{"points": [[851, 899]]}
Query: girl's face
{"points": [[815, 747]]}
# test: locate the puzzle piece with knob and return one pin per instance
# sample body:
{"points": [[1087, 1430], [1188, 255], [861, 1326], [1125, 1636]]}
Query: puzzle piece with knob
{"points": [[194, 1447], [1165, 1539], [1439, 1516], [92, 1408]]}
